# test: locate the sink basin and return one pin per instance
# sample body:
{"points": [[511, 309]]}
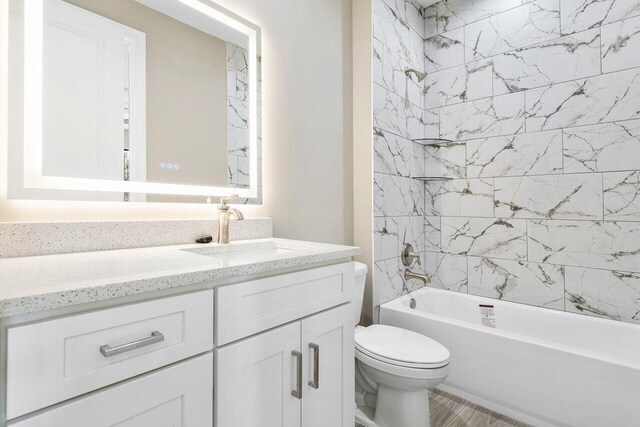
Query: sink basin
{"points": [[241, 251]]}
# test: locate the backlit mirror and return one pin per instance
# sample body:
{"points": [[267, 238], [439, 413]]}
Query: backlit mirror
{"points": [[133, 100]]}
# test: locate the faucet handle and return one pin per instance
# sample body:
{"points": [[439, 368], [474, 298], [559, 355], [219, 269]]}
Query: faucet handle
{"points": [[225, 200], [408, 255]]}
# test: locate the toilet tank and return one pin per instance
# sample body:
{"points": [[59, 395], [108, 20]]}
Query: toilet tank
{"points": [[358, 291]]}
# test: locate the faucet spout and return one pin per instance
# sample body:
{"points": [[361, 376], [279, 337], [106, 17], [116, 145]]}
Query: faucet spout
{"points": [[224, 214], [408, 274]]}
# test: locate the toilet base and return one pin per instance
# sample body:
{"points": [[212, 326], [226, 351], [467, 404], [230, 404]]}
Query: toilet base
{"points": [[396, 408]]}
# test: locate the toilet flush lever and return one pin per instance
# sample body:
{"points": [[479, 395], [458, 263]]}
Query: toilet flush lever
{"points": [[408, 255]]}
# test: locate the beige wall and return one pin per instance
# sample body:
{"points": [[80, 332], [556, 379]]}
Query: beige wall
{"points": [[363, 142], [186, 94], [306, 125]]}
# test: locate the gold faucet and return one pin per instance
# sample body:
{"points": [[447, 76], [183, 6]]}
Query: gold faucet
{"points": [[224, 212]]}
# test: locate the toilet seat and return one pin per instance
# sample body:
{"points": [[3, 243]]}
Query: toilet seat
{"points": [[399, 347]]}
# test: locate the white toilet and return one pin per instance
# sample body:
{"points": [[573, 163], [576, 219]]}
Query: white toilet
{"points": [[395, 367]]}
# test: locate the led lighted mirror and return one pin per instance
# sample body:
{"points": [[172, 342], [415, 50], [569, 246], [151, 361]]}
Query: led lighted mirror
{"points": [[132, 100]]}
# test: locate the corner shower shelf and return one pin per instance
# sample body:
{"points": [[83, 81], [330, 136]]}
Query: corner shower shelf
{"points": [[434, 142], [433, 178]]}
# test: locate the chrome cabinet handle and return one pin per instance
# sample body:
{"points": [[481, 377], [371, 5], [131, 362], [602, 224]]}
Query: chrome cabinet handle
{"points": [[297, 392], [315, 383], [108, 351]]}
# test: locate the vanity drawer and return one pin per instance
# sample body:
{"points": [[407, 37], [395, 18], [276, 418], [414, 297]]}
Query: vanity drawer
{"points": [[247, 308], [179, 395], [54, 360]]}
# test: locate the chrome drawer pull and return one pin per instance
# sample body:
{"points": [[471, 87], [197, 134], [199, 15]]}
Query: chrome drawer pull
{"points": [[297, 393], [315, 383], [155, 337]]}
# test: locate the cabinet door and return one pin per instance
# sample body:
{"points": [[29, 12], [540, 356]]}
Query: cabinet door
{"points": [[328, 348], [180, 395], [255, 378]]}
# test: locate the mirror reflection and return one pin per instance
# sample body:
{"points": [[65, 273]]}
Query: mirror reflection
{"points": [[143, 91]]}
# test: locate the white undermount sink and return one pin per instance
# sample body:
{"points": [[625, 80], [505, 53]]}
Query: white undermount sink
{"points": [[243, 250]]}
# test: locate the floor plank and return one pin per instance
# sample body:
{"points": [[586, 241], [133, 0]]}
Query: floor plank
{"points": [[448, 410]]}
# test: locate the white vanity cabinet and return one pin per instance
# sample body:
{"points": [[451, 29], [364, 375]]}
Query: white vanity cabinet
{"points": [[179, 395], [275, 351], [300, 374], [58, 359]]}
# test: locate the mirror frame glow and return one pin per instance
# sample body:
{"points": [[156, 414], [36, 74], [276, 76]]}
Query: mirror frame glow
{"points": [[33, 77]]}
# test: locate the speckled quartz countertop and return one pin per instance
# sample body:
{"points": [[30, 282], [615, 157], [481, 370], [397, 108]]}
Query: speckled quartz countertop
{"points": [[32, 284]]}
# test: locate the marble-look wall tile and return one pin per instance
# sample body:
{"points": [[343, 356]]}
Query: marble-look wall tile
{"points": [[576, 196], [537, 153], [392, 153], [398, 7], [414, 82], [541, 285], [392, 72], [430, 21], [418, 164], [392, 233], [603, 293], [528, 24], [398, 72], [460, 197], [605, 147], [596, 244], [431, 119], [462, 83], [386, 114], [500, 115], [432, 233], [604, 98], [548, 177], [385, 238], [578, 15], [445, 160], [456, 13], [415, 18], [416, 51], [411, 232], [237, 58], [239, 171], [389, 281], [444, 51], [488, 237], [622, 196], [402, 196], [390, 29], [410, 120], [378, 194], [621, 45], [388, 69], [555, 61], [447, 271], [237, 127]]}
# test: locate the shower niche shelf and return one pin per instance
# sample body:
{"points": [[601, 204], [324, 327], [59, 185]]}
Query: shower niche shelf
{"points": [[435, 142], [432, 178]]}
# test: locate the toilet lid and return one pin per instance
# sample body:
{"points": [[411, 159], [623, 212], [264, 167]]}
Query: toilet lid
{"points": [[401, 347]]}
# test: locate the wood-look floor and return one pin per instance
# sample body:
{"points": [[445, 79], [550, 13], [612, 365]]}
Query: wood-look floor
{"points": [[451, 411]]}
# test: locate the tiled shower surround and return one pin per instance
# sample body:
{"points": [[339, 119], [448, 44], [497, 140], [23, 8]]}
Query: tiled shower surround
{"points": [[542, 101]]}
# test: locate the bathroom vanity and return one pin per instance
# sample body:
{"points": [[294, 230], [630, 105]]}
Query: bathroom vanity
{"points": [[253, 333]]}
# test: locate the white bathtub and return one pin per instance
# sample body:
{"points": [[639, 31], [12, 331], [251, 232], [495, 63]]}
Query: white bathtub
{"points": [[540, 366]]}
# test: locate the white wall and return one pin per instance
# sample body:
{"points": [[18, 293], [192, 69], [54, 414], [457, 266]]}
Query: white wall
{"points": [[307, 129]]}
